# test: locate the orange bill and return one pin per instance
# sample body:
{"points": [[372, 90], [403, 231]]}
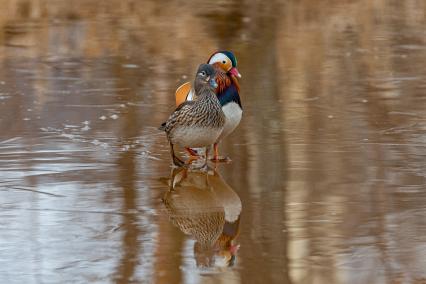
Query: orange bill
{"points": [[182, 93]]}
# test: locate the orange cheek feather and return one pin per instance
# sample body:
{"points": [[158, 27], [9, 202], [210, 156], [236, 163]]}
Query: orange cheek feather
{"points": [[222, 81]]}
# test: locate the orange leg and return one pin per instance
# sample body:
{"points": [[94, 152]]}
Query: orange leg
{"points": [[193, 155], [207, 156], [216, 151], [192, 152], [216, 156]]}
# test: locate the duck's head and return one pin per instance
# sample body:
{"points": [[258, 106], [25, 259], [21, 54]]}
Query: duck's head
{"points": [[227, 61], [205, 77]]}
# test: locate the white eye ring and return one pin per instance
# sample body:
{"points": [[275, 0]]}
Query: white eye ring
{"points": [[202, 73]]}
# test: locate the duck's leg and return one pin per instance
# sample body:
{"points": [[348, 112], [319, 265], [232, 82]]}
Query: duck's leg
{"points": [[174, 181], [193, 155], [207, 157], [192, 152], [216, 157], [176, 161]]}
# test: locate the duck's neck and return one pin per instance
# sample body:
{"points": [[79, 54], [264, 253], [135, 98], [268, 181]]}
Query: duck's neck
{"points": [[205, 92], [223, 80]]}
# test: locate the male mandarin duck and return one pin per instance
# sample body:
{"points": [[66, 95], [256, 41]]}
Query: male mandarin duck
{"points": [[197, 123], [227, 92], [203, 206]]}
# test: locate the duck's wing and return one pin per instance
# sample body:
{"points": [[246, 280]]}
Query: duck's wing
{"points": [[184, 93], [185, 104], [185, 96], [180, 111]]}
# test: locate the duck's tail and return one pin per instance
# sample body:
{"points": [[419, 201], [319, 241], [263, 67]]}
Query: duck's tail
{"points": [[162, 127]]}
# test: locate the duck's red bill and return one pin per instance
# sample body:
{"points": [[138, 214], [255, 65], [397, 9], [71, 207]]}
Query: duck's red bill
{"points": [[234, 71]]}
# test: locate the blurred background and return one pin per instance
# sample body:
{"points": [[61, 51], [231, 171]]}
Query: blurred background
{"points": [[328, 176]]}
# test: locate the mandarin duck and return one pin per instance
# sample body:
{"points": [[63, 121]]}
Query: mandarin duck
{"points": [[203, 206], [227, 91], [197, 123]]}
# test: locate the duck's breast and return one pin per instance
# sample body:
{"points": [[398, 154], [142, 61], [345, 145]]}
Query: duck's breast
{"points": [[195, 136], [233, 114]]}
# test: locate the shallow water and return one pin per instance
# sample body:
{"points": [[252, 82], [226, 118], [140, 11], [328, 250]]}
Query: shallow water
{"points": [[328, 176]]}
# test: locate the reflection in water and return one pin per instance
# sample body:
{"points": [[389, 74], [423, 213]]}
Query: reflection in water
{"points": [[127, 165], [130, 245], [202, 205], [329, 158]]}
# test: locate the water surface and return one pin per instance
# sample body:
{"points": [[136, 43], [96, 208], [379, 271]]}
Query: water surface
{"points": [[328, 176]]}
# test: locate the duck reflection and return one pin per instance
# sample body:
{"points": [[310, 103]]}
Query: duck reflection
{"points": [[201, 204]]}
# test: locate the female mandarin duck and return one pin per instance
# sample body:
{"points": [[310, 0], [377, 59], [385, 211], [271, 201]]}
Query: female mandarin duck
{"points": [[203, 206], [197, 123], [227, 92]]}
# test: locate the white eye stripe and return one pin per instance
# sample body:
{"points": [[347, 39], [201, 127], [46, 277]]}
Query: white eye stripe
{"points": [[218, 57]]}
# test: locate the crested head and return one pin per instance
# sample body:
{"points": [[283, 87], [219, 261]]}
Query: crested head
{"points": [[223, 55], [226, 61], [231, 56]]}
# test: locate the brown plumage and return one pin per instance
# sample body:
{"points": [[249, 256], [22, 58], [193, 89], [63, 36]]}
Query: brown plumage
{"points": [[203, 206], [193, 207], [196, 123]]}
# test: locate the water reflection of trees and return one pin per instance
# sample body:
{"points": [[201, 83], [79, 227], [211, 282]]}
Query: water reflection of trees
{"points": [[321, 94], [342, 87]]}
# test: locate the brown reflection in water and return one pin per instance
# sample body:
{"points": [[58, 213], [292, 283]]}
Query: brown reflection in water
{"points": [[130, 246], [168, 259], [203, 206], [343, 95], [329, 158], [127, 180], [265, 177]]}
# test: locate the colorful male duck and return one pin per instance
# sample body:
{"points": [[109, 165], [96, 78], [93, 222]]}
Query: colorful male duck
{"points": [[197, 123], [227, 92]]}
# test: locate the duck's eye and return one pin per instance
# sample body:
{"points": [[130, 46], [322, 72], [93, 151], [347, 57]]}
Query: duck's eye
{"points": [[203, 73], [224, 62]]}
